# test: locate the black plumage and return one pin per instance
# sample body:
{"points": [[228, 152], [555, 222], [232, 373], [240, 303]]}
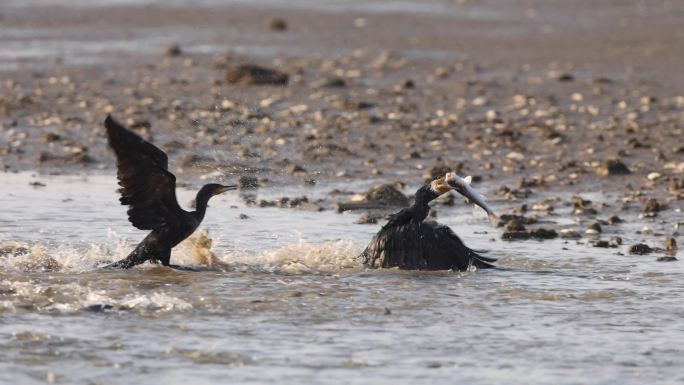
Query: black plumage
{"points": [[149, 189], [407, 241]]}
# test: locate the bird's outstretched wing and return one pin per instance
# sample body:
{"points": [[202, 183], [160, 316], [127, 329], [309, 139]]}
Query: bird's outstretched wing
{"points": [[146, 184]]}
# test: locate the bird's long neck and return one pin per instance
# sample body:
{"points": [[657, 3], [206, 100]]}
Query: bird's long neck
{"points": [[420, 208], [201, 202]]}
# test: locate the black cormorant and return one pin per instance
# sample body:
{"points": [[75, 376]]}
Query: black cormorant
{"points": [[408, 242], [149, 189]]}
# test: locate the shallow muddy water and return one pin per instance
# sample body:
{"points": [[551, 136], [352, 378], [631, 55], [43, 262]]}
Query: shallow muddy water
{"points": [[286, 302]]}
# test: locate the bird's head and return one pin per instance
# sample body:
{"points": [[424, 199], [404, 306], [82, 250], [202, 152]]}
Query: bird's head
{"points": [[207, 191], [212, 189], [440, 186]]}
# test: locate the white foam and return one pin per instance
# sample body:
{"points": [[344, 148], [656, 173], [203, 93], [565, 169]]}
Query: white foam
{"points": [[300, 258]]}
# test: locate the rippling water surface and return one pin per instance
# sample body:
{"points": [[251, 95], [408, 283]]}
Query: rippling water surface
{"points": [[285, 302]]}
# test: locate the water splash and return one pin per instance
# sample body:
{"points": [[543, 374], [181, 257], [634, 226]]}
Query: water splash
{"points": [[300, 258]]}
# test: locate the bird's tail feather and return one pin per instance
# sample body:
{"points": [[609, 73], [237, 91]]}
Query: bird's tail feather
{"points": [[481, 262]]}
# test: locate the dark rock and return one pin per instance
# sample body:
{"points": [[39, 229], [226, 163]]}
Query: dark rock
{"points": [[173, 50], [388, 195], [265, 203], [613, 166], [51, 137], [543, 233], [602, 80], [250, 74], [515, 235], [243, 216], [332, 82], [670, 244], [565, 78], [667, 258], [531, 182], [539, 234], [640, 249], [377, 197], [358, 105], [278, 24], [614, 220], [99, 308]]}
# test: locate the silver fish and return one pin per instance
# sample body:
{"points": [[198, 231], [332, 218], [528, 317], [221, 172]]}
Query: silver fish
{"points": [[463, 187]]}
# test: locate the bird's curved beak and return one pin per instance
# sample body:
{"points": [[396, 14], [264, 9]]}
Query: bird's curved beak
{"points": [[223, 189]]}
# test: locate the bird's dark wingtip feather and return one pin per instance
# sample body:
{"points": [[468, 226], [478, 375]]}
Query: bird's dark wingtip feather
{"points": [[111, 124], [480, 264]]}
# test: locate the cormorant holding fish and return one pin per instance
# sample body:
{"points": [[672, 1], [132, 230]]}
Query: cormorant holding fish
{"points": [[408, 242], [149, 189]]}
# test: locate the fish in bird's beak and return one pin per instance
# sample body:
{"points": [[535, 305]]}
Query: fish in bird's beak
{"points": [[462, 185], [223, 189], [440, 186]]}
